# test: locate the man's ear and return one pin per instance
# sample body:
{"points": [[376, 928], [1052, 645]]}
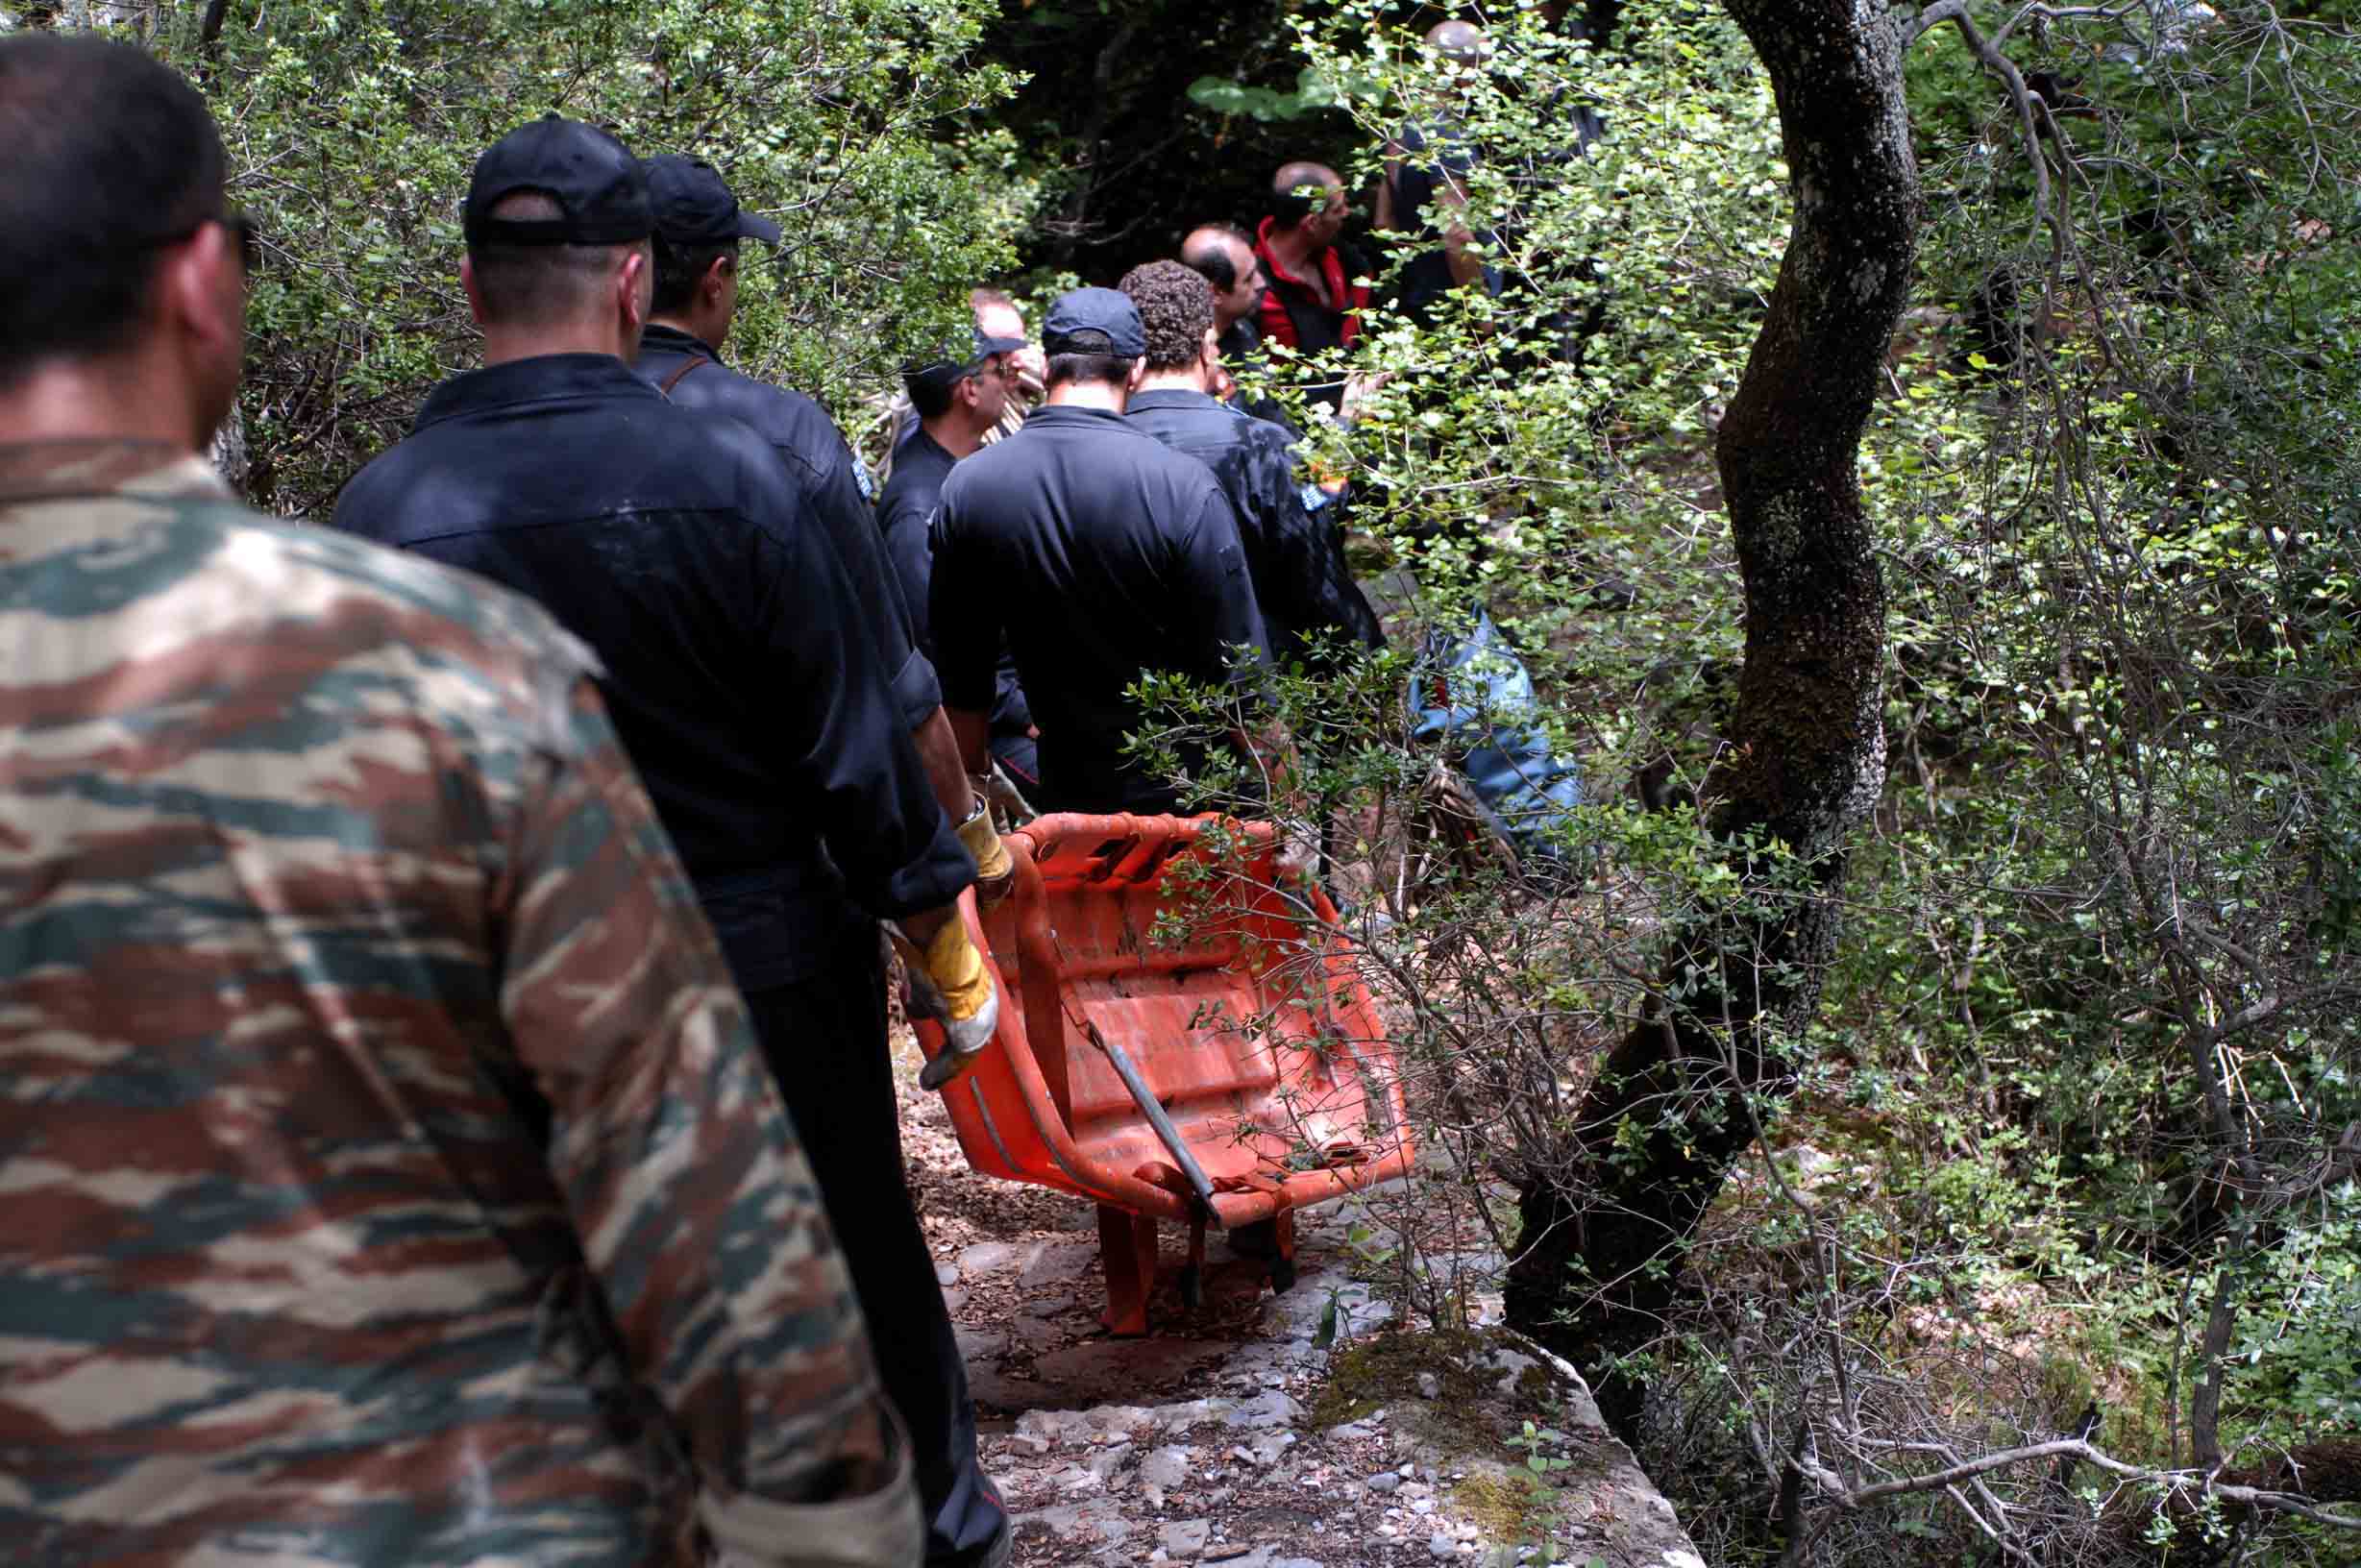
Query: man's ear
{"points": [[716, 280], [201, 287], [475, 294], [1138, 374], [634, 286]]}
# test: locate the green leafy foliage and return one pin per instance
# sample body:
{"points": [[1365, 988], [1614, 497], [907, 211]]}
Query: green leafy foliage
{"points": [[353, 124], [2089, 1056]]}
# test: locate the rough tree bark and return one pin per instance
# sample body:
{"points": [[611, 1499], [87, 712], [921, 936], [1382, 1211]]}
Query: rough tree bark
{"points": [[1603, 1234]]}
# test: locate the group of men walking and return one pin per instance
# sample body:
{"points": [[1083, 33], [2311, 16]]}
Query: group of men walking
{"points": [[442, 1010]]}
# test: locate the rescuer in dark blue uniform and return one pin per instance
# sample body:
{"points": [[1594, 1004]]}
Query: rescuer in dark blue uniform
{"points": [[699, 227], [959, 399], [1101, 555], [1300, 577], [746, 688]]}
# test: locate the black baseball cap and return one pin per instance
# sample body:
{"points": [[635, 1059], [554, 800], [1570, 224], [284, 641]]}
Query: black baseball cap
{"points": [[949, 365], [1108, 318], [692, 206], [597, 184]]}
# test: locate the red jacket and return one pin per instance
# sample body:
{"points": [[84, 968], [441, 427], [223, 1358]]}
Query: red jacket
{"points": [[1292, 313]]}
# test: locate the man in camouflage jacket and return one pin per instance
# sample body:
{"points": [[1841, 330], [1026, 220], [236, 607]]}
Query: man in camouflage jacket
{"points": [[392, 1178]]}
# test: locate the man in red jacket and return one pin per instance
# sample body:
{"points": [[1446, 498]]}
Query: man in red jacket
{"points": [[1314, 302]]}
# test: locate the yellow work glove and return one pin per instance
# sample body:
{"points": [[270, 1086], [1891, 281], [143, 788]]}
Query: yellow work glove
{"points": [[994, 873], [949, 984]]}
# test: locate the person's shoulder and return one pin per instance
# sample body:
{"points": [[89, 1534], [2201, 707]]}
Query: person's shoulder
{"points": [[369, 499], [1185, 474], [1005, 459], [734, 452], [916, 483], [792, 421], [339, 595], [1265, 434]]}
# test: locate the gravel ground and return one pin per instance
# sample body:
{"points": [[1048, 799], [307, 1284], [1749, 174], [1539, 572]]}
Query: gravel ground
{"points": [[1195, 1444]]}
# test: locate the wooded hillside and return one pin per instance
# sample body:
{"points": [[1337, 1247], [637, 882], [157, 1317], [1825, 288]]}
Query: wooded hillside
{"points": [[1916, 451]]}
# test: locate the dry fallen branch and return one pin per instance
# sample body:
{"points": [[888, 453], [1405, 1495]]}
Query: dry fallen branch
{"points": [[2202, 1482]]}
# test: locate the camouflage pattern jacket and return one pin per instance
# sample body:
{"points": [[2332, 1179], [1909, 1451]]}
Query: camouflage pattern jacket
{"points": [[390, 1175]]}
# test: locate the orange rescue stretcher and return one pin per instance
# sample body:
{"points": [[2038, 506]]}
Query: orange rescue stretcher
{"points": [[1232, 1080]]}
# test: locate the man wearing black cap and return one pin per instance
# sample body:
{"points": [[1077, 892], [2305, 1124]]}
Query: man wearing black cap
{"points": [[699, 227], [960, 399], [739, 680], [1100, 555]]}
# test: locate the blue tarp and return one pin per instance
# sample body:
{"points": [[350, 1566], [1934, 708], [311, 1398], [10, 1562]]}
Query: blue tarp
{"points": [[1473, 696]]}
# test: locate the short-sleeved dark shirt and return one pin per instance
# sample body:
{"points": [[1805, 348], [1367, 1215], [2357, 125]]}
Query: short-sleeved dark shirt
{"points": [[1300, 578], [743, 688], [905, 518], [1102, 555], [807, 440]]}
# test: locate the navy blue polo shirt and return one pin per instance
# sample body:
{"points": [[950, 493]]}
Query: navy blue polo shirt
{"points": [[749, 696], [1102, 557], [807, 440], [1300, 578], [905, 513], [905, 518]]}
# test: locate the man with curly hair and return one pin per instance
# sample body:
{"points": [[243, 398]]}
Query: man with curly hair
{"points": [[1309, 601]]}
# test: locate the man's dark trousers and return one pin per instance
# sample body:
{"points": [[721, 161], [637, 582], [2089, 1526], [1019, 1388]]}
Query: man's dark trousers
{"points": [[825, 1037]]}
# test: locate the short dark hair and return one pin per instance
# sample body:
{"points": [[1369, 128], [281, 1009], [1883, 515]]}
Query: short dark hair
{"points": [[1176, 310], [680, 268], [532, 285], [1085, 368], [1211, 257], [111, 155]]}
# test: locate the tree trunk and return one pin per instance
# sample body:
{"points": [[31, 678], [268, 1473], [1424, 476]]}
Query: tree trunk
{"points": [[1678, 1098]]}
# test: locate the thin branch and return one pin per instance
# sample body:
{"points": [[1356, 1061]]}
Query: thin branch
{"points": [[1988, 53], [2255, 1497]]}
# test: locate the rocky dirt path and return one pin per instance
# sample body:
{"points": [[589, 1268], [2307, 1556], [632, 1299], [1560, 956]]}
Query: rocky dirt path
{"points": [[1204, 1443]]}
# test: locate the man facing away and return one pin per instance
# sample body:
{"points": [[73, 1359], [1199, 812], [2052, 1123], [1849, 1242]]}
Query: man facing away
{"points": [[959, 398], [1306, 591], [1101, 556], [699, 230], [393, 1175], [743, 682]]}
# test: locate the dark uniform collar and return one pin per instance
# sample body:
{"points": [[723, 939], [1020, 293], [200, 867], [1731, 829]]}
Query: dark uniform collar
{"points": [[1171, 397], [545, 377], [917, 443], [1071, 413], [660, 337]]}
